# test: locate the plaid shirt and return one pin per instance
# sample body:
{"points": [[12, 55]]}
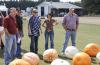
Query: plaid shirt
{"points": [[35, 23]]}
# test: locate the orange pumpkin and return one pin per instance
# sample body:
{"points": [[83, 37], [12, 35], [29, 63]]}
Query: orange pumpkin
{"points": [[81, 59], [50, 55], [92, 49], [32, 58], [19, 62]]}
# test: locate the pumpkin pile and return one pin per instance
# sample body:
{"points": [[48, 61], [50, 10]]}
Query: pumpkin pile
{"points": [[50, 55]]}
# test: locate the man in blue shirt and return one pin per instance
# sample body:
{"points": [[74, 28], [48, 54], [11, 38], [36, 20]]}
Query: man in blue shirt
{"points": [[34, 27], [70, 25]]}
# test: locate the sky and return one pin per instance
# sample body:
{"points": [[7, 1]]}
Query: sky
{"points": [[69, 0]]}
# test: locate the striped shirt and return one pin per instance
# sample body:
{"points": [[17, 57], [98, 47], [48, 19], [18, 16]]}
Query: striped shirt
{"points": [[35, 23]]}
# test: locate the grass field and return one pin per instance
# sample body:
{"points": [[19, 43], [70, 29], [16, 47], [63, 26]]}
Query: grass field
{"points": [[86, 33]]}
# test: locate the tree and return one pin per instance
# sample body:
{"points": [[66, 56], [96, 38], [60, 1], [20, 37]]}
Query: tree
{"points": [[91, 6], [53, 0]]}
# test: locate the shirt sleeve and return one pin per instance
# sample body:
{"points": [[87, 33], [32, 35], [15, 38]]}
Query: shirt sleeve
{"points": [[64, 21], [77, 19]]}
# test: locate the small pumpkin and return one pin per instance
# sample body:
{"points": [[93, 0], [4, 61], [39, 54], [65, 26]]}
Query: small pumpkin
{"points": [[32, 58], [70, 51], [81, 59], [60, 62], [92, 49], [19, 62], [49, 55]]}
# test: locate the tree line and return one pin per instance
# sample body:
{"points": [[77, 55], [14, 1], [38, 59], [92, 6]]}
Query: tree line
{"points": [[23, 4], [91, 7]]}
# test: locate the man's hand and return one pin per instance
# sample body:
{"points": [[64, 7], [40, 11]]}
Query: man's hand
{"points": [[6, 31]]}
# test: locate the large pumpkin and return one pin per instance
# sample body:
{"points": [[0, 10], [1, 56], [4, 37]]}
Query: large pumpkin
{"points": [[81, 59], [60, 62], [1, 30], [19, 62], [50, 55], [71, 51], [32, 58], [92, 49]]}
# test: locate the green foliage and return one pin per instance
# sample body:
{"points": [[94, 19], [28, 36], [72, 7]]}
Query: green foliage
{"points": [[91, 6], [22, 4], [76, 3], [53, 0]]}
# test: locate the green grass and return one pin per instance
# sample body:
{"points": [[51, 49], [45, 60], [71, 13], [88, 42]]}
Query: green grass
{"points": [[86, 33]]}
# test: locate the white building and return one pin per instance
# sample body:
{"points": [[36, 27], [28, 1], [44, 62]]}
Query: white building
{"points": [[54, 7]]}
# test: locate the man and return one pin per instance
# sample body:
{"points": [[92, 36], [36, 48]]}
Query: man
{"points": [[70, 25], [1, 25], [19, 35], [34, 28], [10, 36]]}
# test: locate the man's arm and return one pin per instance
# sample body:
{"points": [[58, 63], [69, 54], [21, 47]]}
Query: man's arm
{"points": [[5, 26], [77, 22], [44, 23], [64, 23], [40, 26], [29, 29], [55, 23]]}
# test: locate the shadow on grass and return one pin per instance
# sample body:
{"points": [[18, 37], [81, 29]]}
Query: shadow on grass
{"points": [[63, 57], [47, 62], [24, 51], [40, 56], [94, 60], [1, 53]]}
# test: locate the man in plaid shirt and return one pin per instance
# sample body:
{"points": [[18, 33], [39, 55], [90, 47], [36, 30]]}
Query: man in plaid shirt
{"points": [[34, 27]]}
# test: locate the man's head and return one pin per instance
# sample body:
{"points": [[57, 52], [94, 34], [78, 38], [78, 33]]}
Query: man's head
{"points": [[12, 11], [71, 10], [34, 12], [18, 12]]}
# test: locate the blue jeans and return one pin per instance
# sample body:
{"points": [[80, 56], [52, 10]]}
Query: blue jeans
{"points": [[18, 52], [69, 34], [10, 48], [34, 44], [47, 35]]}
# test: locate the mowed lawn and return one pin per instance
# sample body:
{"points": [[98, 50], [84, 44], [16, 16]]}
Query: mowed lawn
{"points": [[87, 33]]}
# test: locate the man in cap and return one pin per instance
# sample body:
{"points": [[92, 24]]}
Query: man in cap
{"points": [[10, 36], [34, 27], [70, 24]]}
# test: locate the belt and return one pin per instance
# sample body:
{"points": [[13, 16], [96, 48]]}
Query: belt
{"points": [[70, 29]]}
